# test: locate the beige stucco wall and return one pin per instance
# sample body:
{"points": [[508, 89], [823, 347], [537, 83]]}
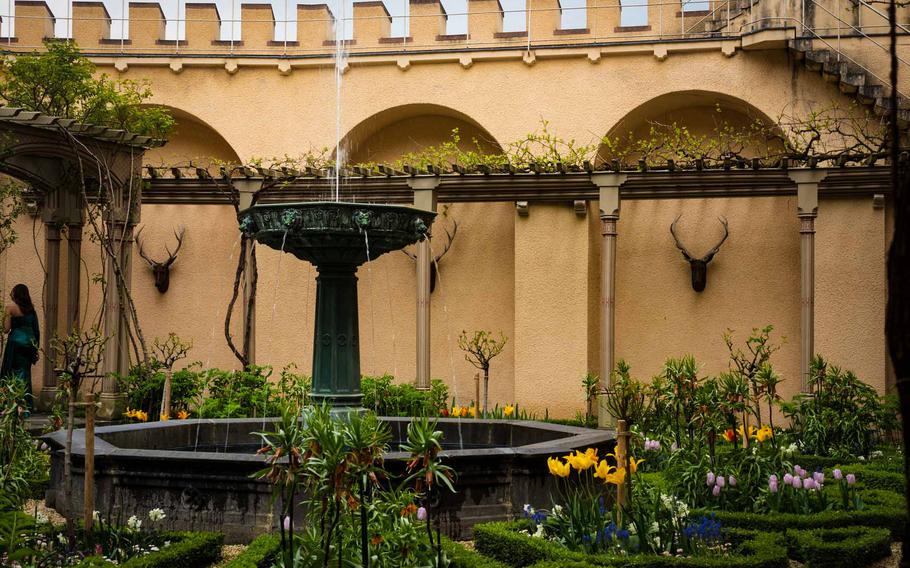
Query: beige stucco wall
{"points": [[533, 278]]}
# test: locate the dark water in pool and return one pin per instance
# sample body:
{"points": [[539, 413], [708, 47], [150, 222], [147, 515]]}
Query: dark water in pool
{"points": [[253, 448]]}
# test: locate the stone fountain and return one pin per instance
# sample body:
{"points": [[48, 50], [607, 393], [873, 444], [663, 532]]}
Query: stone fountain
{"points": [[200, 471], [336, 237]]}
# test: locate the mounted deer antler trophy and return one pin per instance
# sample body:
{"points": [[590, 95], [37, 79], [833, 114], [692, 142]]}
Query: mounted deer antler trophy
{"points": [[162, 270], [699, 266], [450, 237]]}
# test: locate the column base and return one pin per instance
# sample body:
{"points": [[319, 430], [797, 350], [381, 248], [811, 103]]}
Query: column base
{"points": [[112, 406], [605, 420], [44, 402]]}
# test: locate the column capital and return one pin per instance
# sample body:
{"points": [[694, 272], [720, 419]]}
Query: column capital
{"points": [[807, 190], [423, 182], [425, 193], [608, 193], [246, 188]]}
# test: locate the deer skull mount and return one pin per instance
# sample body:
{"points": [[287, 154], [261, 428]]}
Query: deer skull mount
{"points": [[162, 270], [434, 265], [699, 266]]}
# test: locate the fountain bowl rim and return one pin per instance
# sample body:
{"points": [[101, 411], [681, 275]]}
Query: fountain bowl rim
{"points": [[347, 204]]}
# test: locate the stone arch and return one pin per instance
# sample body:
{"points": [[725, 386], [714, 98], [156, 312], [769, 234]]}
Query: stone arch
{"points": [[192, 139], [388, 134], [699, 111]]}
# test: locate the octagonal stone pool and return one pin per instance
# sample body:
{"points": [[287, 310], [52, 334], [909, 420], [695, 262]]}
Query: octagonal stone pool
{"points": [[199, 471]]}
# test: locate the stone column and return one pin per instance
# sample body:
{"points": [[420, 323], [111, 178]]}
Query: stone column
{"points": [[246, 189], [51, 307], [73, 273], [424, 198], [112, 402], [608, 189], [807, 210]]}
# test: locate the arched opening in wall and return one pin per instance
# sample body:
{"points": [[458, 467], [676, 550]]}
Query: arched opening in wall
{"points": [[191, 140], [388, 135], [692, 122]]}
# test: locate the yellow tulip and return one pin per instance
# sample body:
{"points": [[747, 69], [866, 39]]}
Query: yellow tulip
{"points": [[508, 410], [164, 416], [580, 461], [764, 434], [557, 467], [603, 469], [633, 464], [592, 454], [473, 412], [618, 477]]}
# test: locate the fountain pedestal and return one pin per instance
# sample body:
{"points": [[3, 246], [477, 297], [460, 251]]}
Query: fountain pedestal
{"points": [[337, 237], [336, 342]]}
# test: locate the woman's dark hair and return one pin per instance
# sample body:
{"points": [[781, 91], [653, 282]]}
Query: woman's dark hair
{"points": [[22, 298]]}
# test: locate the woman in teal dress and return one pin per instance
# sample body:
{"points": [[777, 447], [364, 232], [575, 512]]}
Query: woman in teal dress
{"points": [[21, 323]]}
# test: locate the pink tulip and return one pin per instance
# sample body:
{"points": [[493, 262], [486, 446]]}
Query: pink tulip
{"points": [[287, 524], [711, 478], [788, 479], [838, 474], [732, 481], [773, 479], [720, 481], [797, 483], [716, 491], [421, 514], [851, 479], [772, 486], [819, 477]]}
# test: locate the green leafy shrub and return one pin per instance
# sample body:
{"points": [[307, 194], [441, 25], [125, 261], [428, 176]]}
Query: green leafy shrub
{"points": [[385, 398], [847, 547], [259, 554], [24, 469], [843, 417], [250, 393], [144, 387], [461, 557]]}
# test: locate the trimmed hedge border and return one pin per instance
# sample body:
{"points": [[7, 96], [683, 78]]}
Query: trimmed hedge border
{"points": [[846, 547], [503, 542], [260, 553], [870, 477], [883, 509], [186, 549]]}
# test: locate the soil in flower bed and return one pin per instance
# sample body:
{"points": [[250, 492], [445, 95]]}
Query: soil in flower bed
{"points": [[892, 561]]}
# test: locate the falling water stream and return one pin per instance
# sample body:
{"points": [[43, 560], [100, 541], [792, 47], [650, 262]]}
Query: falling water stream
{"points": [[340, 64], [284, 239]]}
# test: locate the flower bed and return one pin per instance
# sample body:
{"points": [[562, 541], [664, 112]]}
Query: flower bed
{"points": [[186, 549], [505, 542], [883, 509], [847, 547]]}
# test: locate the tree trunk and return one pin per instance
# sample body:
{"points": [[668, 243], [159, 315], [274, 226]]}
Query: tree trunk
{"points": [[486, 390], [68, 468]]}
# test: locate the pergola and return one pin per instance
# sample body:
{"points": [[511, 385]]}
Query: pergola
{"points": [[68, 164], [581, 187]]}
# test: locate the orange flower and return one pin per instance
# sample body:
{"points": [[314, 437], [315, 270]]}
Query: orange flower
{"points": [[409, 510], [729, 435], [164, 417], [376, 540], [183, 415]]}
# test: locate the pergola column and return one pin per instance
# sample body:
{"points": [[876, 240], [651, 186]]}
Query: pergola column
{"points": [[116, 328], [806, 210], [424, 198], [608, 191], [51, 304], [246, 191]]}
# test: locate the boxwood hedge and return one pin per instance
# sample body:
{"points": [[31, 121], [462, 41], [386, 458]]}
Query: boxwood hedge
{"points": [[260, 553], [505, 543], [847, 547], [186, 549]]}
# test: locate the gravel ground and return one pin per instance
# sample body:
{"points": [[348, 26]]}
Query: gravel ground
{"points": [[891, 562], [228, 553], [52, 515]]}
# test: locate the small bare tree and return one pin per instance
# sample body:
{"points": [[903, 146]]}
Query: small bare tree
{"points": [[167, 353], [479, 350], [80, 354]]}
